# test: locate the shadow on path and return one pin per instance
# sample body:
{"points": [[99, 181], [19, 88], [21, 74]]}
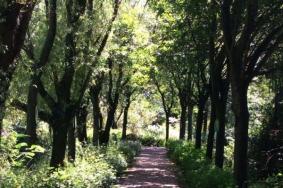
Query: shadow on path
{"points": [[151, 169]]}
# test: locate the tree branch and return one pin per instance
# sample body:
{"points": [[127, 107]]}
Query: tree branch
{"points": [[44, 116], [45, 95]]}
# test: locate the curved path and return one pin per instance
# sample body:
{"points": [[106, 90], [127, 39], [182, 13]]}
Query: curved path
{"points": [[152, 168]]}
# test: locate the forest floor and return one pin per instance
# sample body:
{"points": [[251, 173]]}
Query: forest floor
{"points": [[152, 168]]}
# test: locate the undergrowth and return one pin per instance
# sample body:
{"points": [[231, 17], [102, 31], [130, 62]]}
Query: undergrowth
{"points": [[197, 171], [94, 167]]}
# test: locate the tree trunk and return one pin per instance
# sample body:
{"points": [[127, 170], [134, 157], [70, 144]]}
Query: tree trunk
{"points": [[37, 71], [183, 104], [211, 130], [201, 106], [4, 86], [220, 137], [58, 145], [167, 124], [32, 111], [115, 124], [190, 122], [240, 107], [204, 131], [125, 121], [81, 124], [110, 120], [13, 26], [183, 122], [72, 141], [97, 123]]}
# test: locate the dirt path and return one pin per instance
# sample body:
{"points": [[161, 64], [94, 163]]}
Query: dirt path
{"points": [[151, 169]]}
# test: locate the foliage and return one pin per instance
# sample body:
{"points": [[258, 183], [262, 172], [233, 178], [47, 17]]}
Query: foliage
{"points": [[94, 167], [152, 136], [130, 149], [272, 181], [149, 140], [197, 171], [156, 47]]}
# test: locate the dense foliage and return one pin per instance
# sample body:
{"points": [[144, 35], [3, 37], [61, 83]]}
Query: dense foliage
{"points": [[80, 78], [94, 167], [197, 170]]}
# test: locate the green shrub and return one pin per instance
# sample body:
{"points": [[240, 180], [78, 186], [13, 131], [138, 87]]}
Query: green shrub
{"points": [[116, 159], [90, 170], [150, 140], [197, 171], [94, 167], [275, 181], [131, 137], [130, 149]]}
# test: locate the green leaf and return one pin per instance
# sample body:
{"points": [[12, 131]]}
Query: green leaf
{"points": [[20, 145]]}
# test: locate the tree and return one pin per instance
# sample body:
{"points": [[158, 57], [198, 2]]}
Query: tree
{"points": [[128, 93], [113, 96], [183, 48], [251, 35], [219, 80], [38, 69], [127, 43], [167, 94], [64, 107], [202, 97], [81, 122], [14, 23], [95, 90]]}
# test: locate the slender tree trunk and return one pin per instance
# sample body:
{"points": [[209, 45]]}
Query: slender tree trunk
{"points": [[115, 124], [183, 121], [167, 124], [240, 107], [220, 138], [58, 145], [109, 122], [31, 111], [205, 122], [190, 122], [81, 124], [201, 106], [183, 104], [100, 120], [4, 86], [211, 130], [97, 123], [72, 141], [2, 111], [125, 121]]}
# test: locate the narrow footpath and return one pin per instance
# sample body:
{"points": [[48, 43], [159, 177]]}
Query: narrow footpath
{"points": [[152, 168]]}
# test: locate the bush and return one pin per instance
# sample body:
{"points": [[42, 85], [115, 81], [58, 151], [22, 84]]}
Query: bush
{"points": [[121, 154], [94, 167], [272, 181], [131, 137], [130, 149], [90, 169], [197, 171], [150, 140]]}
